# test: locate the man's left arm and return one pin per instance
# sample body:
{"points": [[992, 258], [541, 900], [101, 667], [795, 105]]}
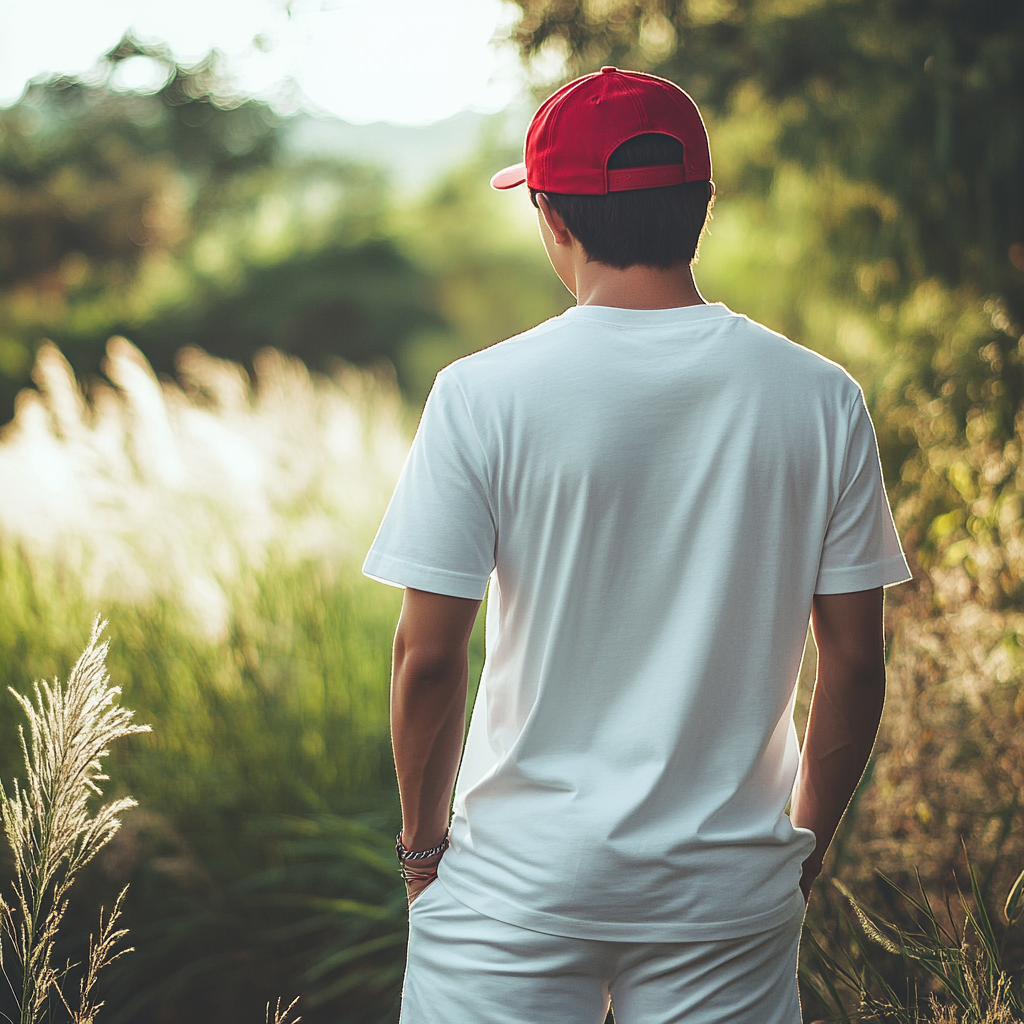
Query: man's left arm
{"points": [[429, 676]]}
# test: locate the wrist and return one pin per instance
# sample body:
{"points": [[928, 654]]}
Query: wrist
{"points": [[413, 862], [420, 839]]}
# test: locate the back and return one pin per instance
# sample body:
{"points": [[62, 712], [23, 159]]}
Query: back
{"points": [[659, 494]]}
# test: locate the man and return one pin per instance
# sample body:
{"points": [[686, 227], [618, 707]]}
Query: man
{"points": [[661, 494]]}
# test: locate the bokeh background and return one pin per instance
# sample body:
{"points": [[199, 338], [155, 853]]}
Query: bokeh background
{"points": [[237, 243]]}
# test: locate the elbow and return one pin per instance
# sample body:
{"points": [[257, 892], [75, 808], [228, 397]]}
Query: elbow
{"points": [[866, 667], [872, 682], [861, 673], [422, 665]]}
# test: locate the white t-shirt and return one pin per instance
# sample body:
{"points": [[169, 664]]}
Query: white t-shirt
{"points": [[655, 496]]}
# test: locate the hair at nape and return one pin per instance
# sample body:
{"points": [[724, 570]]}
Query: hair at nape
{"points": [[657, 227]]}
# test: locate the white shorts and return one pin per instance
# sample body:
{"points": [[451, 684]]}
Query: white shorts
{"points": [[464, 968]]}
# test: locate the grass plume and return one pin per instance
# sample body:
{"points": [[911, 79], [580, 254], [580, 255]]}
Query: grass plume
{"points": [[145, 488], [53, 834], [963, 965]]}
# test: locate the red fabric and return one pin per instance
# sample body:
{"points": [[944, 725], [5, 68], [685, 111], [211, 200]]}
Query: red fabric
{"points": [[577, 128], [644, 177]]}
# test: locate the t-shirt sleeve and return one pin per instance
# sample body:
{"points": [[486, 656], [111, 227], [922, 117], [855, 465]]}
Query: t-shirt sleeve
{"points": [[861, 550], [438, 533]]}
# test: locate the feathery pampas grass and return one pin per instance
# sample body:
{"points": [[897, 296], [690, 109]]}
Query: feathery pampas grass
{"points": [[52, 834], [151, 488], [221, 519]]}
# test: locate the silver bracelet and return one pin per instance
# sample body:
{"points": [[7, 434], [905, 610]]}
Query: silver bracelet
{"points": [[405, 855]]}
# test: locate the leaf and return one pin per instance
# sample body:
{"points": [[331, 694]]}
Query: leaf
{"points": [[1015, 901]]}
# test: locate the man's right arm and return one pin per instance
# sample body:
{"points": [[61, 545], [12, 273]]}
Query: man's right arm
{"points": [[846, 707]]}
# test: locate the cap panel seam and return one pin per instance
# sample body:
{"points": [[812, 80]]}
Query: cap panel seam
{"points": [[555, 120], [638, 107]]}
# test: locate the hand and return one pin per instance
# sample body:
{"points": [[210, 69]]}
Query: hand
{"points": [[808, 877], [422, 874], [416, 886]]}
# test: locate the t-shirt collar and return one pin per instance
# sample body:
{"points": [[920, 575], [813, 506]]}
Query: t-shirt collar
{"points": [[649, 317]]}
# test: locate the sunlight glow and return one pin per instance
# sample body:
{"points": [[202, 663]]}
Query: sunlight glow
{"points": [[180, 489], [405, 61]]}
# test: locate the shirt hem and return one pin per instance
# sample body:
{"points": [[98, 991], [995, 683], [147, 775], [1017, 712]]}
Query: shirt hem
{"points": [[886, 573], [498, 909], [397, 572]]}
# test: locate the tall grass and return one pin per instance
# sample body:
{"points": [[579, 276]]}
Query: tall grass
{"points": [[949, 765], [955, 969], [218, 520], [181, 490]]}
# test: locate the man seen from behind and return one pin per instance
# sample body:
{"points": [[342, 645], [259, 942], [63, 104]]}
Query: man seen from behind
{"points": [[660, 493]]}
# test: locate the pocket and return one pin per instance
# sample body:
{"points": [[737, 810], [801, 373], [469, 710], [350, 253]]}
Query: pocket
{"points": [[425, 894]]}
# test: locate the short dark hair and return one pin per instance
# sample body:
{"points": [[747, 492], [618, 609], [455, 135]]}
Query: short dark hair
{"points": [[656, 227]]}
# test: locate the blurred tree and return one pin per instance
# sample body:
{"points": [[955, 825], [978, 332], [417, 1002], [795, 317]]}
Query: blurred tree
{"points": [[99, 186], [87, 171], [923, 99], [490, 276], [359, 302], [177, 216]]}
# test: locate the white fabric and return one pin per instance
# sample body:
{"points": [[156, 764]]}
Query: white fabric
{"points": [[464, 968], [659, 493]]}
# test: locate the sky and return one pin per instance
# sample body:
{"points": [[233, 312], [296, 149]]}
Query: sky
{"points": [[404, 61]]}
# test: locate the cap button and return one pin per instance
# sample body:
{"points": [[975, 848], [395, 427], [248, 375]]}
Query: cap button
{"points": [[608, 69]]}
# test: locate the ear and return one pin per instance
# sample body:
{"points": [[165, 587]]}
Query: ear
{"points": [[554, 221]]}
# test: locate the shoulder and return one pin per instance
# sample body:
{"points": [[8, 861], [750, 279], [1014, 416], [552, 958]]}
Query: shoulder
{"points": [[496, 365], [799, 366]]}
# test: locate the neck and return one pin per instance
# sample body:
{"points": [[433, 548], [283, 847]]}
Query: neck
{"points": [[636, 287]]}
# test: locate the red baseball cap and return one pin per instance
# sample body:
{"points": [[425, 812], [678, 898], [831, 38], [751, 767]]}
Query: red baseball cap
{"points": [[575, 131]]}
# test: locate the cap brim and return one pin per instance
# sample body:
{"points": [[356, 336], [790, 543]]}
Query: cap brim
{"points": [[510, 177]]}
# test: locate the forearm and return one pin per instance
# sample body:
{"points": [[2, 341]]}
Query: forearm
{"points": [[841, 730], [428, 707]]}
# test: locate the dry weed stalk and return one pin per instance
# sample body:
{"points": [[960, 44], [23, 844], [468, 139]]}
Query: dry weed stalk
{"points": [[101, 954], [283, 1016], [963, 962], [51, 833]]}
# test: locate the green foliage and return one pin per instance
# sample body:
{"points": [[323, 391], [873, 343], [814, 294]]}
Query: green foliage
{"points": [[101, 193], [358, 302], [868, 159], [953, 957], [346, 914], [287, 712], [922, 101], [488, 272], [179, 218]]}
